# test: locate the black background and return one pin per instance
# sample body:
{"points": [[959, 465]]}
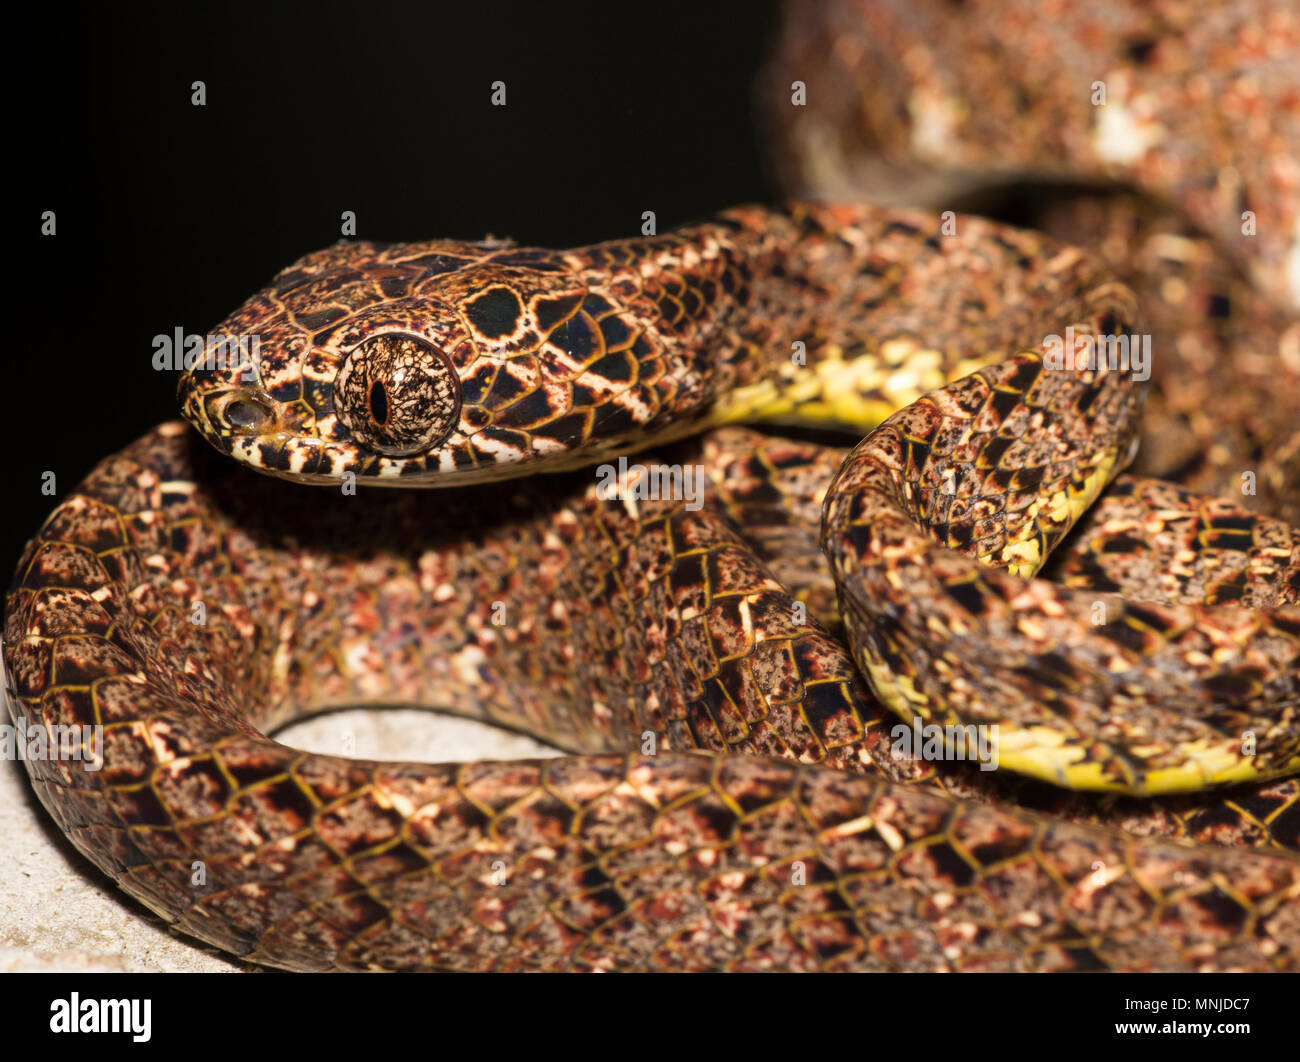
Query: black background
{"points": [[171, 215]]}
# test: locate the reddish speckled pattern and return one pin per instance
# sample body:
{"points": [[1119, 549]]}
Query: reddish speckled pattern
{"points": [[622, 861], [930, 104], [630, 634]]}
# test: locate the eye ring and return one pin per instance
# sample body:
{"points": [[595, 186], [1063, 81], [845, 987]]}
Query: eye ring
{"points": [[397, 394]]}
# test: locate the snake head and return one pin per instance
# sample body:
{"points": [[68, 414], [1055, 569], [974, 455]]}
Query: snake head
{"points": [[423, 364]]}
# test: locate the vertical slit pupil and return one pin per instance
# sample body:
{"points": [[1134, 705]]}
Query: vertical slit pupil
{"points": [[378, 403]]}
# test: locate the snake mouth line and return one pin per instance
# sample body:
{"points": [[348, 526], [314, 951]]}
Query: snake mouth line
{"points": [[247, 424]]}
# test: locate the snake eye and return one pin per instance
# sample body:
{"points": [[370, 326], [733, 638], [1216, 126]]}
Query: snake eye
{"points": [[397, 394]]}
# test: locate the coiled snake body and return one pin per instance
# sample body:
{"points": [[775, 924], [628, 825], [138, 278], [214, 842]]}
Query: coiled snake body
{"points": [[630, 629]]}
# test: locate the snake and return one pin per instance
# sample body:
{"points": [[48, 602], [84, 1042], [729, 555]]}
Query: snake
{"points": [[558, 491]]}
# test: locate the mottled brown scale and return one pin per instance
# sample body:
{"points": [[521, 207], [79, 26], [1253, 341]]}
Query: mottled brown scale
{"points": [[219, 787], [563, 358], [803, 839], [913, 101], [923, 103], [1159, 669]]}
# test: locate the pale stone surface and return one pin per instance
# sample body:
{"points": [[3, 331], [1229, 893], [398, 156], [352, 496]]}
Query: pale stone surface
{"points": [[58, 912]]}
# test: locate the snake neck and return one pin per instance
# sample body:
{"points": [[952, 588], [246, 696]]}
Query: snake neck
{"points": [[539, 360], [820, 315]]}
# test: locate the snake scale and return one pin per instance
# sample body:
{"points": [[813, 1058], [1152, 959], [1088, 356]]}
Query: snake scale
{"points": [[725, 674]]}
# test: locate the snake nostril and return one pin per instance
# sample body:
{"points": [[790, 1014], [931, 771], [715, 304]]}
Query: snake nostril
{"points": [[246, 414]]}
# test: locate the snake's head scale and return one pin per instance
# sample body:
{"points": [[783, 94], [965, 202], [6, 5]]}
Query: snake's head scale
{"points": [[413, 364], [391, 395]]}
